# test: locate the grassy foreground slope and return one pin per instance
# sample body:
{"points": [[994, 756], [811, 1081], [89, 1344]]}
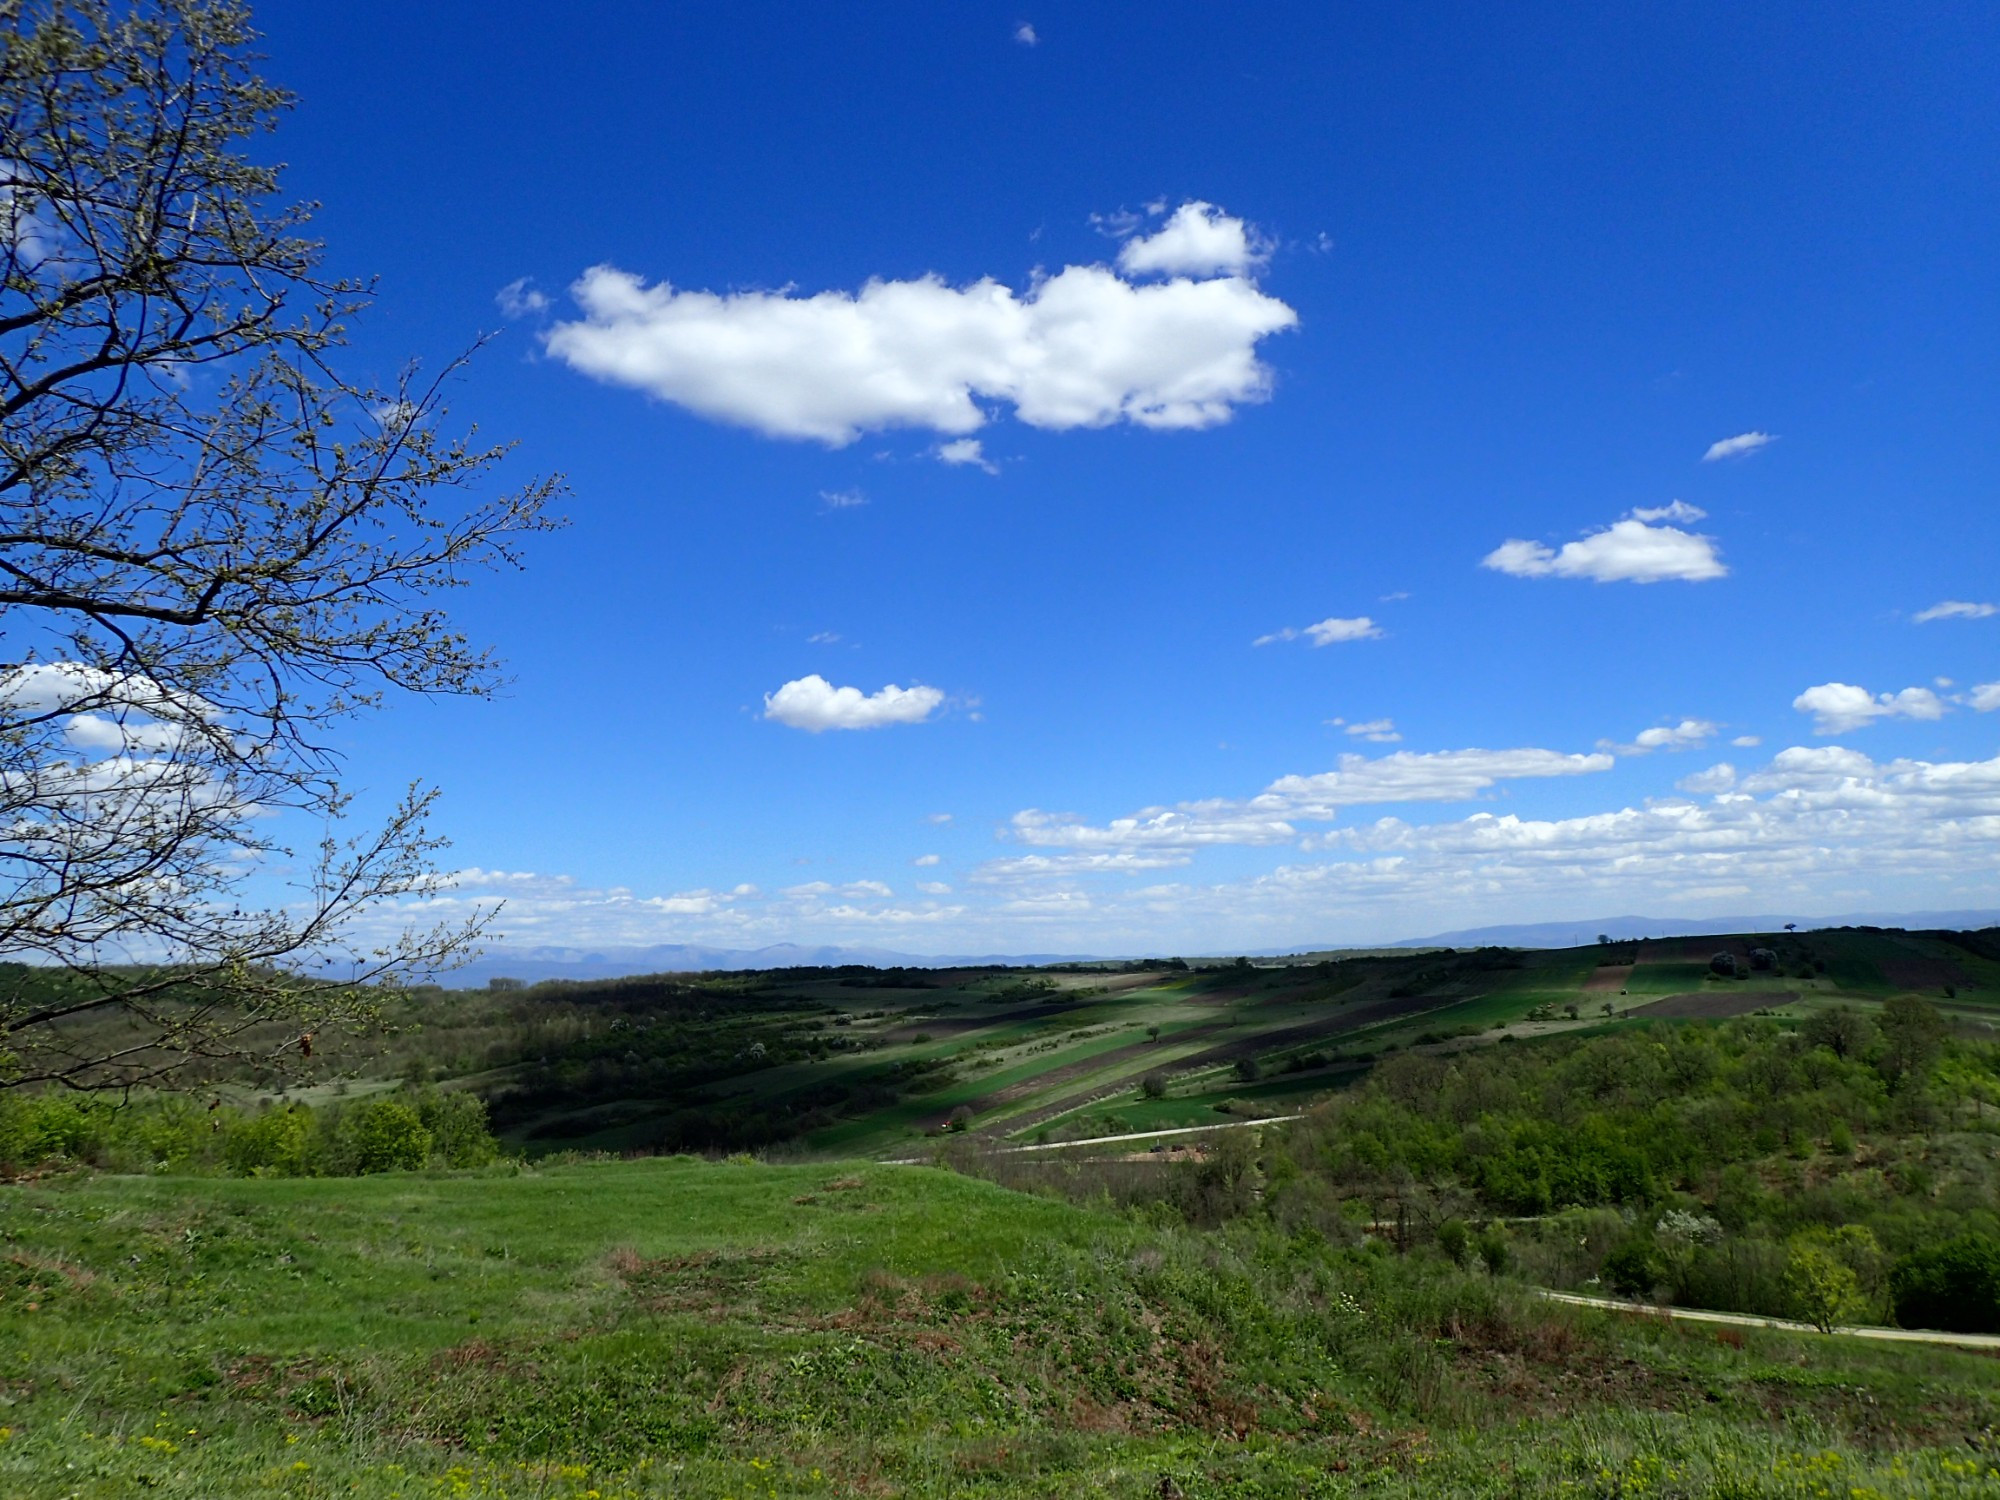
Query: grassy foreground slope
{"points": [[673, 1327]]}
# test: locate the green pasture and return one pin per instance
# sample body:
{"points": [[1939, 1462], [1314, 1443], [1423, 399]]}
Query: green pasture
{"points": [[680, 1328]]}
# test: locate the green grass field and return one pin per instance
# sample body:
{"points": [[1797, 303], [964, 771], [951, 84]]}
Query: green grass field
{"points": [[672, 1327]]}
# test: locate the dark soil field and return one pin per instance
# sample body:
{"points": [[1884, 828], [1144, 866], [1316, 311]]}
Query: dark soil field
{"points": [[1714, 1006]]}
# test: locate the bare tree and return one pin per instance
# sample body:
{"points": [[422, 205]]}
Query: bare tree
{"points": [[212, 549]]}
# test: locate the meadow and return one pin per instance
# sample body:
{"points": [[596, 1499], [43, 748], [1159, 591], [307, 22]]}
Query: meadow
{"points": [[679, 1327]]}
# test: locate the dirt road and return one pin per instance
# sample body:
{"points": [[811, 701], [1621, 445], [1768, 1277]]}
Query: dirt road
{"points": [[1987, 1341]]}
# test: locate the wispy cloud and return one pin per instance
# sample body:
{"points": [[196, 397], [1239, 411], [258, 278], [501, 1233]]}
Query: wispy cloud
{"points": [[1326, 632], [1686, 735], [841, 499], [519, 299], [813, 704], [1273, 816], [1025, 34], [1678, 511], [1375, 731], [966, 451], [1740, 446], [1954, 609]]}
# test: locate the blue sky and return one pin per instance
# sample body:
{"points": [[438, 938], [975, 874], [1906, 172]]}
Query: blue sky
{"points": [[1414, 323]]}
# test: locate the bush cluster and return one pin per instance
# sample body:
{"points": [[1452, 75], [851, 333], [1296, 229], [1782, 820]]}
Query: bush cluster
{"points": [[410, 1129]]}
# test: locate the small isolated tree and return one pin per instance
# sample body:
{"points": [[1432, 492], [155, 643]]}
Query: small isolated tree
{"points": [[1822, 1287], [1154, 1085], [1632, 1269], [1248, 1070], [213, 549], [1454, 1238], [1153, 1032], [1912, 1034], [1841, 1029]]}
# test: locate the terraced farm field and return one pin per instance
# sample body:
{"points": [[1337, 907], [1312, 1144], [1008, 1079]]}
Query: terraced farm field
{"points": [[872, 1062]]}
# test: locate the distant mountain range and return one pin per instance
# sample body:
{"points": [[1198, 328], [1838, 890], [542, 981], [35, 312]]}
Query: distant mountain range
{"points": [[535, 964], [532, 965], [1570, 934]]}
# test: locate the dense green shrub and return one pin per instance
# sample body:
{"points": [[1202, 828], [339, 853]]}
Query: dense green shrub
{"points": [[1953, 1286], [173, 1133], [280, 1142], [457, 1124], [375, 1135]]}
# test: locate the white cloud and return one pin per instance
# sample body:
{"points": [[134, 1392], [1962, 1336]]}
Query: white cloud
{"points": [[1716, 779], [1737, 447], [1083, 348], [1025, 34], [966, 451], [67, 687], [1955, 609], [519, 299], [814, 704], [1673, 510], [1838, 707], [513, 882], [122, 737], [1819, 829], [933, 887], [1326, 632], [854, 890], [1271, 817], [823, 638], [1627, 551], [1685, 735], [841, 499], [1376, 731], [1044, 866], [928, 859], [939, 819], [1985, 698], [1199, 240], [1747, 741]]}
